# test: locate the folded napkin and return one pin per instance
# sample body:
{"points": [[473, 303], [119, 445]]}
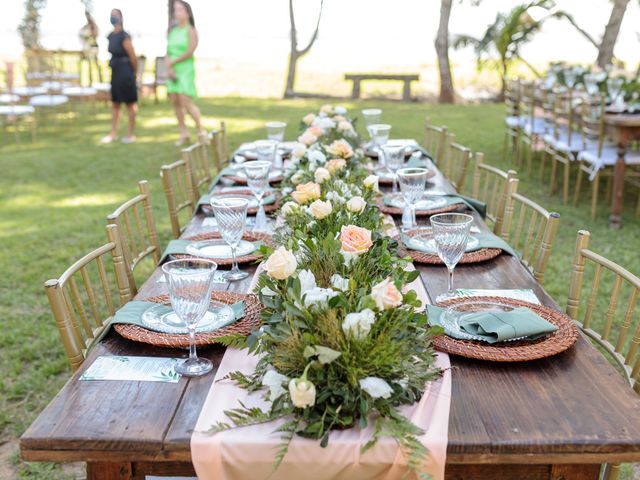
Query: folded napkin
{"points": [[497, 326], [485, 240], [451, 199], [225, 172], [266, 200], [131, 313], [178, 247]]}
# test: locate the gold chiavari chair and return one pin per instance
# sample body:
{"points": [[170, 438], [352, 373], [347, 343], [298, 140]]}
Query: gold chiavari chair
{"points": [[81, 311], [178, 190], [530, 229], [219, 146], [197, 157], [435, 141], [513, 120], [457, 162], [137, 228], [618, 332], [491, 185], [533, 126]]}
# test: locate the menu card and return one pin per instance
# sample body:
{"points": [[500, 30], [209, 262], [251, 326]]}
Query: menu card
{"points": [[138, 369]]}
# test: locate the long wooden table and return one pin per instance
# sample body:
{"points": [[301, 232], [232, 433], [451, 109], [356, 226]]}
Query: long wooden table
{"points": [[556, 418]]}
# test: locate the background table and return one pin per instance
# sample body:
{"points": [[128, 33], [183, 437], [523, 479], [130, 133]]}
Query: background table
{"points": [[556, 418]]}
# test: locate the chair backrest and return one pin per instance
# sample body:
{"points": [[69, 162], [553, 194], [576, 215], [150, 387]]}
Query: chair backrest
{"points": [[512, 97], [527, 102], [178, 190], [530, 229], [142, 62], [435, 140], [197, 157], [138, 238], [160, 71], [563, 114], [81, 311], [219, 146], [491, 185], [457, 162], [616, 330], [592, 121]]}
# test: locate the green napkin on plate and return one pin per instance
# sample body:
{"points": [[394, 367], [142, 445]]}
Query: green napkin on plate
{"points": [[485, 240], [451, 199], [178, 247], [225, 172], [497, 326]]}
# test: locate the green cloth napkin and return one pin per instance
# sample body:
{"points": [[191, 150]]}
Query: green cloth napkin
{"points": [[178, 247], [451, 199], [225, 172], [206, 198], [498, 326], [485, 240]]}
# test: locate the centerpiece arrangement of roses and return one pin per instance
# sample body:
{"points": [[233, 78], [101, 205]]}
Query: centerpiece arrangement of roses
{"points": [[343, 341]]}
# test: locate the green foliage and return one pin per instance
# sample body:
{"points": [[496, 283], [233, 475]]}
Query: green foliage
{"points": [[29, 28]]}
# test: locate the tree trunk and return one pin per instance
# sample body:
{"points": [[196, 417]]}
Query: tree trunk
{"points": [[289, 91], [170, 14], [605, 52], [447, 94]]}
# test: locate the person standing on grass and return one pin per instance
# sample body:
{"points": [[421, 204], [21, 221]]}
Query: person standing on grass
{"points": [[124, 65], [181, 85]]}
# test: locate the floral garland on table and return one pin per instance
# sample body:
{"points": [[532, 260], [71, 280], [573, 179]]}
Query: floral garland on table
{"points": [[341, 345]]}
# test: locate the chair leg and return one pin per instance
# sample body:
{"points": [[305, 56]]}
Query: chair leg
{"points": [[530, 155], [554, 170], [504, 145], [576, 194], [611, 472], [565, 186], [595, 186]]}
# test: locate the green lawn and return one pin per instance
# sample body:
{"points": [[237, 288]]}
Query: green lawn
{"points": [[55, 195]]}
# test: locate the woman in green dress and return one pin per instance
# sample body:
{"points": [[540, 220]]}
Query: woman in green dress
{"points": [[181, 43]]}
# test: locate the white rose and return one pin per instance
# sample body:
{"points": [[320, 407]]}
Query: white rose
{"points": [[359, 324], [335, 197], [308, 118], [303, 392], [267, 292], [376, 387], [320, 209], [307, 280], [371, 182], [327, 108], [316, 156], [281, 264], [296, 178], [339, 282], [326, 123], [386, 295], [288, 208], [356, 204], [318, 296], [299, 150], [321, 174], [340, 110], [275, 382]]}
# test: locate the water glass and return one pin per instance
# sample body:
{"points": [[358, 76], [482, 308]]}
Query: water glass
{"points": [[266, 150], [394, 159], [380, 133], [371, 116], [231, 216], [190, 283], [275, 131], [413, 182], [258, 180], [614, 87], [451, 234]]}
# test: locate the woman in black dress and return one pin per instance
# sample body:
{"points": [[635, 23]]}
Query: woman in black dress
{"points": [[124, 65]]}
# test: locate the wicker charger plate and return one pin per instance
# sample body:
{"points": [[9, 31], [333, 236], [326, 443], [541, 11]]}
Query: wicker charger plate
{"points": [[516, 351], [419, 213], [243, 193], [249, 236], [243, 180], [244, 326], [481, 255]]}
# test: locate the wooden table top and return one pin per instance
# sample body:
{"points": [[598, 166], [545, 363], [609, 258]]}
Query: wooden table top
{"points": [[571, 408]]}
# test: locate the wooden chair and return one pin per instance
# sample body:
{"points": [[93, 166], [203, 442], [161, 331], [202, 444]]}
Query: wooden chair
{"points": [[141, 241], [219, 146], [159, 77], [530, 229], [435, 141], [512, 120], [457, 162], [619, 334], [491, 185], [82, 312], [178, 190], [197, 157], [533, 127]]}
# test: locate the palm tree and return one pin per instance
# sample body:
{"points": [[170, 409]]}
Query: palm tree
{"points": [[502, 42]]}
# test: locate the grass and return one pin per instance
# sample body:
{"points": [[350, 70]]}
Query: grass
{"points": [[55, 195]]}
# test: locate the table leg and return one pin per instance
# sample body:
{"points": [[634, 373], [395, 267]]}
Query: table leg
{"points": [[406, 91], [356, 89], [109, 471], [618, 188]]}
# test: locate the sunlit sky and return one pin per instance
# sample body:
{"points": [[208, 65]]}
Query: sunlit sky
{"points": [[354, 35]]}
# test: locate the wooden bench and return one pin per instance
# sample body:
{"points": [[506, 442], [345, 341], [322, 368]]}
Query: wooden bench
{"points": [[357, 78]]}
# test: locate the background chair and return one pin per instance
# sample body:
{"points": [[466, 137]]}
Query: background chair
{"points": [[138, 239], [435, 140], [512, 120], [457, 162], [159, 77], [219, 146], [197, 157], [178, 190], [490, 184], [530, 229], [82, 312]]}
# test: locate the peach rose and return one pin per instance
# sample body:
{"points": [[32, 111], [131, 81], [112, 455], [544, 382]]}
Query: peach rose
{"points": [[355, 240], [315, 131], [321, 174], [320, 209], [339, 118], [386, 295], [281, 264], [341, 149], [336, 164], [308, 118], [306, 192], [327, 108], [307, 138]]}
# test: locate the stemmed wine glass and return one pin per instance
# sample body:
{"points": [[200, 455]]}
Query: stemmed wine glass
{"points": [[394, 159], [275, 132], [231, 215], [258, 179], [190, 283], [451, 233], [380, 133], [413, 182]]}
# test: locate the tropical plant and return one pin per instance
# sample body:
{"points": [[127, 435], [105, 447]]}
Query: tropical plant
{"points": [[29, 28]]}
